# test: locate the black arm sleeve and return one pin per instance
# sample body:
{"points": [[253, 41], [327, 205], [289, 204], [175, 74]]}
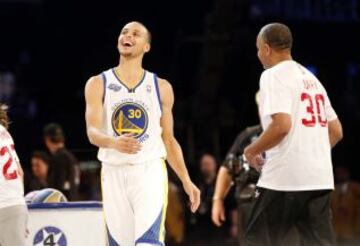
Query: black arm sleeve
{"points": [[244, 139]]}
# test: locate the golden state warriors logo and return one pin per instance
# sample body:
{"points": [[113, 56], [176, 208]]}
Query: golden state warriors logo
{"points": [[130, 118]]}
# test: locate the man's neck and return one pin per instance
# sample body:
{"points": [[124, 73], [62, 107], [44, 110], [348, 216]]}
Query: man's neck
{"points": [[130, 70], [281, 57]]}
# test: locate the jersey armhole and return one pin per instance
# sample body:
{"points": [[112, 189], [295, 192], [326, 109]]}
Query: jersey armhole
{"points": [[156, 82], [104, 86]]}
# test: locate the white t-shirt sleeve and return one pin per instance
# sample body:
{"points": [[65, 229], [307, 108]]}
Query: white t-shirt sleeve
{"points": [[329, 111], [276, 95]]}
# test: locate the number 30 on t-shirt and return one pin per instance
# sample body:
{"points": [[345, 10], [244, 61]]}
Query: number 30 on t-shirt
{"points": [[311, 120], [5, 169]]}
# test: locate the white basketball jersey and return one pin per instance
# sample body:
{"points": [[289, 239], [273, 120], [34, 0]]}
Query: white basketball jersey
{"points": [[136, 111], [11, 186], [302, 160]]}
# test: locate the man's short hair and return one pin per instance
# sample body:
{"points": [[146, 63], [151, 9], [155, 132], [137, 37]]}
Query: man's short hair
{"points": [[54, 132], [277, 35], [149, 35]]}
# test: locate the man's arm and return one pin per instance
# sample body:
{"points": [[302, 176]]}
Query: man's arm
{"points": [[335, 132], [94, 112], [174, 152], [272, 136], [222, 187], [94, 119], [276, 101], [223, 184], [334, 125]]}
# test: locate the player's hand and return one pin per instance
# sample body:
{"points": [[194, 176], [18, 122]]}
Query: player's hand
{"points": [[254, 159], [194, 194], [218, 212], [126, 144]]}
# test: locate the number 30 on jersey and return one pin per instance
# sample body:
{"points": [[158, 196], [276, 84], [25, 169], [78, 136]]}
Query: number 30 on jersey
{"points": [[312, 120]]}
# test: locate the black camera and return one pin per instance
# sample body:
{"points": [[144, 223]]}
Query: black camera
{"points": [[244, 176], [236, 165]]}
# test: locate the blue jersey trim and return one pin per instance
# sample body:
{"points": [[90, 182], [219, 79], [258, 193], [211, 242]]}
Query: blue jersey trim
{"points": [[153, 234], [104, 85], [157, 90], [111, 240], [130, 90], [65, 205]]}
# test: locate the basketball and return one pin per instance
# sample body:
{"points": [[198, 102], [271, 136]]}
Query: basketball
{"points": [[30, 196], [47, 195]]}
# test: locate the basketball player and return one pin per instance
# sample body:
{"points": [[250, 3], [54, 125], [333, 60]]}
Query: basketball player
{"points": [[300, 128], [129, 117], [13, 212]]}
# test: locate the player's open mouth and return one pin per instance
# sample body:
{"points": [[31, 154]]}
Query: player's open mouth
{"points": [[127, 44]]}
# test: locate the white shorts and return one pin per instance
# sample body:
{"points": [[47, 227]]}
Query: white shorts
{"points": [[135, 201]]}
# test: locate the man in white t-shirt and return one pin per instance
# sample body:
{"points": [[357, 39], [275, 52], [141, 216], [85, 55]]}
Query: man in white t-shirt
{"points": [[300, 128], [13, 211]]}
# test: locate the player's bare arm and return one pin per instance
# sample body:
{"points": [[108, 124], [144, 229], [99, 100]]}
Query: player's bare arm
{"points": [[335, 132], [174, 152], [94, 120], [222, 187], [272, 136]]}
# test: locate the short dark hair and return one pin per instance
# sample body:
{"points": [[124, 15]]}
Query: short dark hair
{"points": [[41, 155], [277, 35], [4, 119], [149, 35], [54, 132]]}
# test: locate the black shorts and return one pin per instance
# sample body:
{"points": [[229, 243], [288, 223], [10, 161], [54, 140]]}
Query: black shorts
{"points": [[290, 218]]}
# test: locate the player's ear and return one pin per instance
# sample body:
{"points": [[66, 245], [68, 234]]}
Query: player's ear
{"points": [[267, 49], [147, 47]]}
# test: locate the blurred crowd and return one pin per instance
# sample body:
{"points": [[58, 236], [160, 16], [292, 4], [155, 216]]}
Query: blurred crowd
{"points": [[56, 167]]}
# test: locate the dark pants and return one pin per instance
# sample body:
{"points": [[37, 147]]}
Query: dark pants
{"points": [[290, 218]]}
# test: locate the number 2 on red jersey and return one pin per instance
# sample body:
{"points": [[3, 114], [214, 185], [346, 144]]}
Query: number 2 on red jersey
{"points": [[5, 170]]}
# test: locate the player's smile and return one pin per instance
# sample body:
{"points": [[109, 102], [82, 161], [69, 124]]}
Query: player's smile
{"points": [[127, 43]]}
